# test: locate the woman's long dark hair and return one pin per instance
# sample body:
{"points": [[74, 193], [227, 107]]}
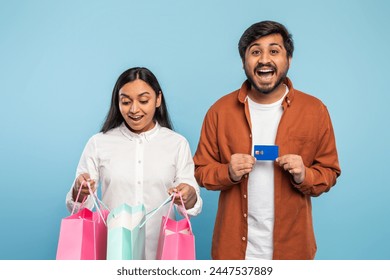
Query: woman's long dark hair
{"points": [[114, 117]]}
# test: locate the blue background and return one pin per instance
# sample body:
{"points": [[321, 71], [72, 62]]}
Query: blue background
{"points": [[59, 61]]}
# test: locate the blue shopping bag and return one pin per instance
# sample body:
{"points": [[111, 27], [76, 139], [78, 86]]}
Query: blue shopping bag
{"points": [[126, 231], [125, 238]]}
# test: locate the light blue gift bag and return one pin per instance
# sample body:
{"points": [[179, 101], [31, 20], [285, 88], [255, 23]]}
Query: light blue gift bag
{"points": [[126, 231], [125, 238]]}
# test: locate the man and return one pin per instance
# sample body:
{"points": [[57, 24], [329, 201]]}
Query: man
{"points": [[264, 209]]}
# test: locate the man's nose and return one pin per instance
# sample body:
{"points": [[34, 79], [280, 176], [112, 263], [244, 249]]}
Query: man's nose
{"points": [[264, 58]]}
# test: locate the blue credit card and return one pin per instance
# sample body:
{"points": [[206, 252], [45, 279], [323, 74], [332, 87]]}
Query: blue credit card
{"points": [[266, 152]]}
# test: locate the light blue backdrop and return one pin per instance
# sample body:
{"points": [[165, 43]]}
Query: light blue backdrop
{"points": [[60, 59]]}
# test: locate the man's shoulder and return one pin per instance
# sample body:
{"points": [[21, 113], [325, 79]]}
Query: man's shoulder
{"points": [[104, 138], [307, 99]]}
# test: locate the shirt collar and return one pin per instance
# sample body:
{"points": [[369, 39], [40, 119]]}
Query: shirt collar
{"points": [[147, 135], [288, 99]]}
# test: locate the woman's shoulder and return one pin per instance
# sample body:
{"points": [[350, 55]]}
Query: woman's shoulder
{"points": [[103, 136], [171, 135]]}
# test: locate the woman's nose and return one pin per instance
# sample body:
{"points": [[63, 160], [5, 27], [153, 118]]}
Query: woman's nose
{"points": [[134, 107]]}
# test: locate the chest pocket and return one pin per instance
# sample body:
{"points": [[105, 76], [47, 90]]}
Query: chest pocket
{"points": [[303, 146]]}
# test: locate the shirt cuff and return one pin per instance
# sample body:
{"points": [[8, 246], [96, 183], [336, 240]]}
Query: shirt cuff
{"points": [[307, 182]]}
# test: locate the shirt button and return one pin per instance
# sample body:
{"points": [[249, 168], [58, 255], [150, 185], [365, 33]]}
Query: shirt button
{"points": [[244, 215], [244, 195], [246, 176], [139, 161], [250, 135], [243, 238]]}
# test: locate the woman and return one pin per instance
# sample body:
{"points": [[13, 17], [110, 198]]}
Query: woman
{"points": [[137, 158]]}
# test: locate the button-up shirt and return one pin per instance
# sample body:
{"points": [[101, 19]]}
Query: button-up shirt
{"points": [[304, 129], [138, 169]]}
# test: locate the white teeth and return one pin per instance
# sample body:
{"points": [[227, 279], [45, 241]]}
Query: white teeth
{"points": [[265, 70]]}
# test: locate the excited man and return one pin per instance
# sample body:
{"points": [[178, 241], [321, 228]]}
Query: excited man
{"points": [[264, 209]]}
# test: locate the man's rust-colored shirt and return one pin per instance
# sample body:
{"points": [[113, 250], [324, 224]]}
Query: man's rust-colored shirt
{"points": [[305, 129]]}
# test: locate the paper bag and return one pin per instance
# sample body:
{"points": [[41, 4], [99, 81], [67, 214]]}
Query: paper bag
{"points": [[126, 239], [176, 239], [83, 236]]}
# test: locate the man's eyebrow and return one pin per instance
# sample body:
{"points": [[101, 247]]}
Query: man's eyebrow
{"points": [[253, 45], [276, 44], [271, 44]]}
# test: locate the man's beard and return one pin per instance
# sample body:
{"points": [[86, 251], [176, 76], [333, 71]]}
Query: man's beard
{"points": [[265, 90]]}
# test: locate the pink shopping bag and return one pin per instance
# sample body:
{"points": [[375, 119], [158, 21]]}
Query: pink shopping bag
{"points": [[83, 236], [176, 240]]}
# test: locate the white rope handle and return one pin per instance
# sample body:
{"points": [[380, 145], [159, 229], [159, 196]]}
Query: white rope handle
{"points": [[185, 212], [151, 213], [77, 199], [95, 199]]}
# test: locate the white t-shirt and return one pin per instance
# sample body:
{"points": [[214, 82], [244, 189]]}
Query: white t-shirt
{"points": [[265, 120], [138, 169]]}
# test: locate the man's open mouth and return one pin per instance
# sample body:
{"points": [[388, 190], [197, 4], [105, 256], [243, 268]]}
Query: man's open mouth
{"points": [[265, 72]]}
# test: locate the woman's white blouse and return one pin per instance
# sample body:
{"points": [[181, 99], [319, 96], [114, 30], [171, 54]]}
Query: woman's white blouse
{"points": [[138, 169]]}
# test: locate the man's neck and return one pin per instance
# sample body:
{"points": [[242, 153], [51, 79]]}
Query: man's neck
{"points": [[267, 98]]}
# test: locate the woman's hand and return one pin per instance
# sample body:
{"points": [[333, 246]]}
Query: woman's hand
{"points": [[188, 194], [81, 182]]}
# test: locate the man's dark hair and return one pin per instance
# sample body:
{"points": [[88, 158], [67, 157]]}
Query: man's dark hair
{"points": [[262, 29]]}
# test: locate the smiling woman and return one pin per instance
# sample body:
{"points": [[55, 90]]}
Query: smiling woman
{"points": [[138, 103], [137, 158], [139, 87]]}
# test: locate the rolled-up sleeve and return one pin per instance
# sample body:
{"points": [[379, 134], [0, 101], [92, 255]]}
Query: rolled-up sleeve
{"points": [[88, 164], [185, 174]]}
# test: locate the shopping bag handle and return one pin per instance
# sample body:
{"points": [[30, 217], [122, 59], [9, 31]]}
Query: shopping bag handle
{"points": [[77, 199], [151, 213], [96, 201], [185, 211]]}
